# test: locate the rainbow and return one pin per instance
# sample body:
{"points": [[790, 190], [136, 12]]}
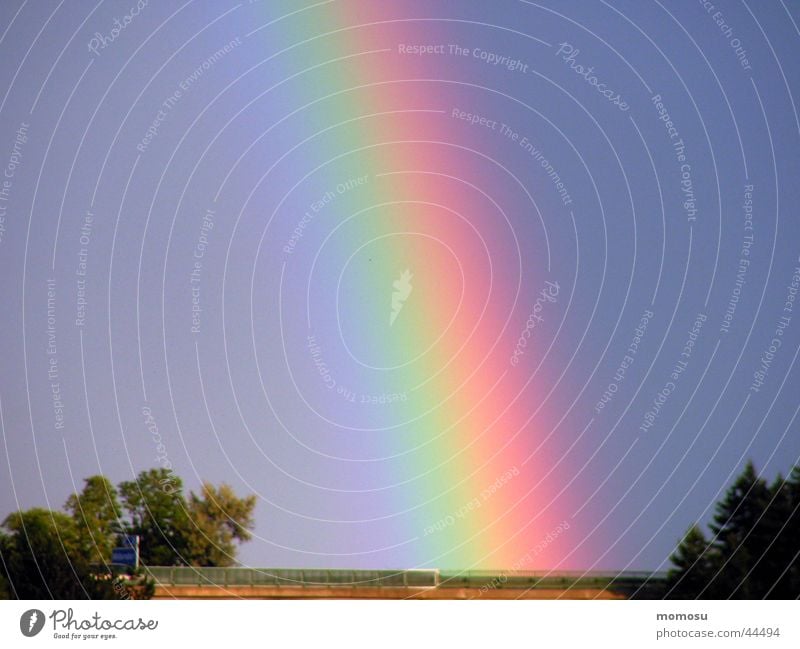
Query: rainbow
{"points": [[410, 259]]}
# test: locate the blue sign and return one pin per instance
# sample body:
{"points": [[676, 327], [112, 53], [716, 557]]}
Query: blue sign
{"points": [[128, 554]]}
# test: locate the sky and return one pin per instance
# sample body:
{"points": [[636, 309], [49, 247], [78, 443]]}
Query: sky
{"points": [[459, 285]]}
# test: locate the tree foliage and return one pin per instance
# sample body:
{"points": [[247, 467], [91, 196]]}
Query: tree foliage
{"points": [[754, 545], [198, 530], [219, 519], [44, 556], [43, 546], [157, 512], [96, 513], [48, 554]]}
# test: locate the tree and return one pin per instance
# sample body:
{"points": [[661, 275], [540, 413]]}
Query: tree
{"points": [[5, 587], [777, 569], [40, 557], [755, 545], [219, 519], [158, 514], [771, 573], [694, 562], [792, 533], [6, 591], [201, 531], [96, 512], [51, 554], [738, 527]]}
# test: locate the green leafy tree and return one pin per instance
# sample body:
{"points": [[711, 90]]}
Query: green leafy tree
{"points": [[220, 520], [792, 534], [753, 553], [694, 562], [782, 558], [777, 571], [41, 559], [51, 554], [203, 530], [43, 556], [739, 527], [96, 512], [6, 591], [157, 509]]}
